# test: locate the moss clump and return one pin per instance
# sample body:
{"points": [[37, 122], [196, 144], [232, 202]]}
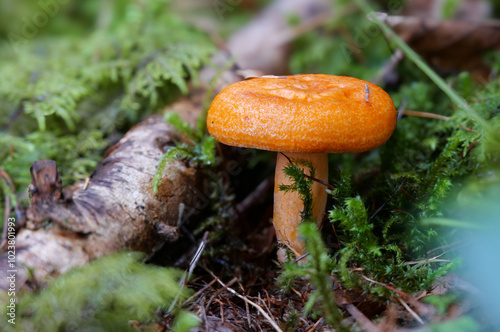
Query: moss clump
{"points": [[105, 295], [66, 94]]}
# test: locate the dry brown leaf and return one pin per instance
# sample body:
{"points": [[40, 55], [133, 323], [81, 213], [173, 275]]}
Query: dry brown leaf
{"points": [[451, 45], [264, 43], [474, 10]]}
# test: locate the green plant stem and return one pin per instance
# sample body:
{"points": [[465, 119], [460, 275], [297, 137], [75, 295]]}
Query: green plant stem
{"points": [[413, 56]]}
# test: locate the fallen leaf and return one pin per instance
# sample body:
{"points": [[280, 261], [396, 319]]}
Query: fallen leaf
{"points": [[450, 45]]}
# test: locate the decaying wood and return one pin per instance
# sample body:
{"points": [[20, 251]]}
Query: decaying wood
{"points": [[117, 210]]}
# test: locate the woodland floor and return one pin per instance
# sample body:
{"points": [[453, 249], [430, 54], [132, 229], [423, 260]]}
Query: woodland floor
{"points": [[410, 233]]}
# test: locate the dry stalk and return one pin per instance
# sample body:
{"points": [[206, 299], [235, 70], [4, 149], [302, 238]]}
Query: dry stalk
{"points": [[259, 308]]}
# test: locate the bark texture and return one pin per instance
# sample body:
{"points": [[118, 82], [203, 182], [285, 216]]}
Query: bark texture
{"points": [[117, 209]]}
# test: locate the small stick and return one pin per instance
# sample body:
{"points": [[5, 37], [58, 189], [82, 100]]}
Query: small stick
{"points": [[429, 260], [361, 318], [248, 315], [448, 247], [246, 306], [219, 291], [336, 236], [258, 307], [367, 93], [435, 116], [425, 115], [413, 313], [203, 312], [315, 325], [192, 265], [221, 312], [401, 108], [471, 130], [389, 287], [401, 293], [86, 184], [301, 257], [264, 304], [198, 293]]}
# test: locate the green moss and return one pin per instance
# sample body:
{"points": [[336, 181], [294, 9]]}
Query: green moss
{"points": [[300, 184], [67, 93], [386, 201], [198, 147], [107, 294]]}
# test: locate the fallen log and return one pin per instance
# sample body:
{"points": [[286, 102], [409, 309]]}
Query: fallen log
{"points": [[116, 210]]}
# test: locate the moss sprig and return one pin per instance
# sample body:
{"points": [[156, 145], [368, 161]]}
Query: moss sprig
{"points": [[198, 147], [300, 184]]}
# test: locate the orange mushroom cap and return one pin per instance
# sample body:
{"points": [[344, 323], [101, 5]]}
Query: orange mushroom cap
{"points": [[303, 113]]}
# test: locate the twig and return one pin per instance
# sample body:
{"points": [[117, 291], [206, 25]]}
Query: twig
{"points": [[86, 183], [426, 115], [249, 322], [401, 108], [197, 255], [219, 291], [264, 304], [435, 116], [402, 294], [361, 318], [471, 130], [259, 308], [301, 257], [199, 292], [336, 236], [320, 321], [223, 319], [248, 315], [428, 260], [192, 265], [413, 313], [449, 247], [203, 312], [389, 287]]}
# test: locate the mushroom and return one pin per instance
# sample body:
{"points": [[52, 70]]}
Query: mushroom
{"points": [[305, 117]]}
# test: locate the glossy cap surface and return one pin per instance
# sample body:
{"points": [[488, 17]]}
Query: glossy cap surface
{"points": [[303, 113]]}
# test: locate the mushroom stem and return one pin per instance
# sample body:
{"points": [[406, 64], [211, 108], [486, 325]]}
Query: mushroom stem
{"points": [[288, 205]]}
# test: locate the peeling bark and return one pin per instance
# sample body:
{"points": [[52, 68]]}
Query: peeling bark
{"points": [[117, 210]]}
